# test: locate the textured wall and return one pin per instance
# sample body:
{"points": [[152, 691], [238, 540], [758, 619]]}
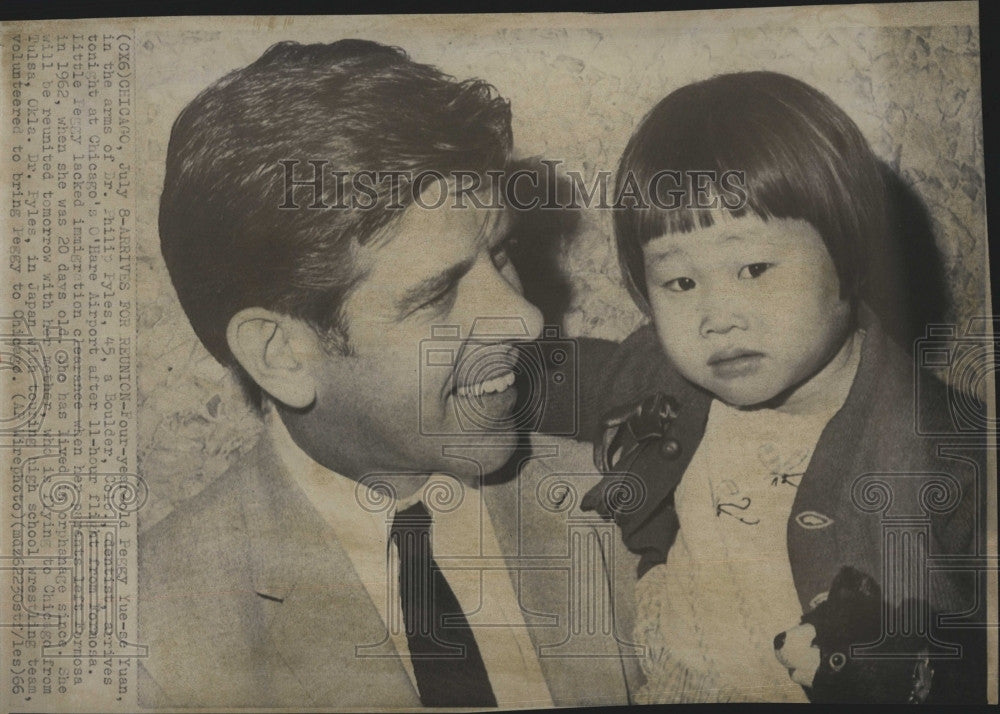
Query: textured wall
{"points": [[577, 94]]}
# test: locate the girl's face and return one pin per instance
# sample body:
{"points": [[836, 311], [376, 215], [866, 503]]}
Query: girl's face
{"points": [[749, 309]]}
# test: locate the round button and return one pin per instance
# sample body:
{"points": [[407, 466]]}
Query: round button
{"points": [[670, 449]]}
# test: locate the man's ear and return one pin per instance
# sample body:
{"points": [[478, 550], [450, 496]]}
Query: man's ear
{"points": [[271, 347]]}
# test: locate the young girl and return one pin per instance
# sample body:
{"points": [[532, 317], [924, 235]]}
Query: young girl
{"points": [[758, 205]]}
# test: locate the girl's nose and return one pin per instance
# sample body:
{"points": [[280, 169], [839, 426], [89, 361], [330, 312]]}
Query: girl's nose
{"points": [[722, 311], [722, 321]]}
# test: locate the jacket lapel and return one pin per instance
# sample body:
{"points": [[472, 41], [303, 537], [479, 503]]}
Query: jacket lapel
{"points": [[325, 636], [824, 522], [318, 615]]}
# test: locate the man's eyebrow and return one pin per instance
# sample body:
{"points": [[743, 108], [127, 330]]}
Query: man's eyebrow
{"points": [[426, 289]]}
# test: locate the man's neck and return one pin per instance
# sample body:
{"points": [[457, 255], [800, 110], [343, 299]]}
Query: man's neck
{"points": [[401, 486]]}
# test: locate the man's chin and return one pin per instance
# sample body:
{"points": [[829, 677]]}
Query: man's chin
{"points": [[469, 456]]}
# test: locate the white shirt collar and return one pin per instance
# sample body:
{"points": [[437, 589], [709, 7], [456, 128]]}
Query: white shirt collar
{"points": [[360, 517], [361, 512]]}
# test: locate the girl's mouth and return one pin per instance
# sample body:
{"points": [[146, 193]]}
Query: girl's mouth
{"points": [[731, 364]]}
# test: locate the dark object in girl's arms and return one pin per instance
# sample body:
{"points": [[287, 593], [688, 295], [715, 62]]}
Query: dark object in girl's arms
{"points": [[906, 667]]}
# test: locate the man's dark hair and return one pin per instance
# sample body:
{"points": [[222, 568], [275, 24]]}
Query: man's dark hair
{"points": [[358, 105], [799, 156]]}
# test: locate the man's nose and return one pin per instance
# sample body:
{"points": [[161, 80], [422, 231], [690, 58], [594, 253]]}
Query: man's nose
{"points": [[516, 327], [503, 313]]}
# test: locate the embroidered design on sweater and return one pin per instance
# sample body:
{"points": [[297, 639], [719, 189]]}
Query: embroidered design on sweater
{"points": [[784, 470], [781, 479], [736, 507]]}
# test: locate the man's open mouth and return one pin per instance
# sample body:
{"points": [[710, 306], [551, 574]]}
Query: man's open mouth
{"points": [[494, 385], [485, 369]]}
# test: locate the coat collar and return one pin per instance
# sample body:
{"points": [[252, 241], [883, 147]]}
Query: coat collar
{"points": [[320, 620], [824, 527], [305, 583]]}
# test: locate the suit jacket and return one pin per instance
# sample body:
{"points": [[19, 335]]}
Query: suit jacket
{"points": [[247, 600]]}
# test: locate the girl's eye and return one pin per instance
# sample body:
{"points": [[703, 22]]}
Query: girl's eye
{"points": [[679, 285], [754, 270]]}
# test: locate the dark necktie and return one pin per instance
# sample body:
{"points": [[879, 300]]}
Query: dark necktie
{"points": [[446, 660]]}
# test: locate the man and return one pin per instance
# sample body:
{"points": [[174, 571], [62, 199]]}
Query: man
{"points": [[359, 557]]}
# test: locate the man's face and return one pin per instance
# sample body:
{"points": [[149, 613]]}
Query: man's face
{"points": [[747, 309], [409, 399]]}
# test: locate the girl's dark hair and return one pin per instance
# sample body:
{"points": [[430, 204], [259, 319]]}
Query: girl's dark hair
{"points": [[792, 150]]}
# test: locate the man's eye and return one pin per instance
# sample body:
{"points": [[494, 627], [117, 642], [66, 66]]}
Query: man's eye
{"points": [[754, 270], [439, 300], [679, 285]]}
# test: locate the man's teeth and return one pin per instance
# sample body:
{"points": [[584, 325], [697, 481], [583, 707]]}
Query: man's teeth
{"points": [[490, 386]]}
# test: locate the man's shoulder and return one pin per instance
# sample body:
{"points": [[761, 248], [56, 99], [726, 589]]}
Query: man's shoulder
{"points": [[206, 522], [196, 557], [193, 582]]}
